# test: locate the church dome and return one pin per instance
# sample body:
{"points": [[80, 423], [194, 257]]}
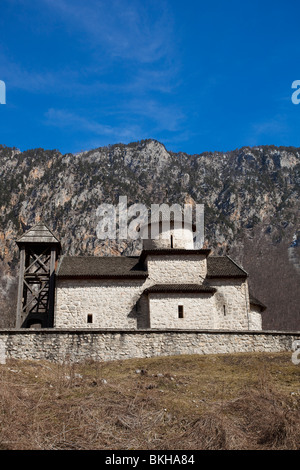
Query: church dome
{"points": [[167, 228]]}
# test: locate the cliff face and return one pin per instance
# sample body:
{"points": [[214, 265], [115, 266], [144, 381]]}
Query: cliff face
{"points": [[250, 197]]}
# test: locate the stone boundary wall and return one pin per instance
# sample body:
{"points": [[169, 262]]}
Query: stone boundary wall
{"points": [[79, 345]]}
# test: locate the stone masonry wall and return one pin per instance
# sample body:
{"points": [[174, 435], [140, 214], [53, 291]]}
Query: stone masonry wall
{"points": [[197, 310], [117, 303], [106, 345], [232, 309], [99, 303], [255, 322], [111, 304], [170, 269]]}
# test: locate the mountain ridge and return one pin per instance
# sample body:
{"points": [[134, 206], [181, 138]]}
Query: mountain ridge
{"points": [[250, 197]]}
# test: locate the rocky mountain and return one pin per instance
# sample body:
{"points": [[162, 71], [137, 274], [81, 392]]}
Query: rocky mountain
{"points": [[250, 196]]}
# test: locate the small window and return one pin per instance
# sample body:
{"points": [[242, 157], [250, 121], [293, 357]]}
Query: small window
{"points": [[172, 244], [224, 310], [90, 318], [180, 311]]}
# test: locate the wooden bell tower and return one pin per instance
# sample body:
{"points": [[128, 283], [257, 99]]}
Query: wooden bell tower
{"points": [[39, 251]]}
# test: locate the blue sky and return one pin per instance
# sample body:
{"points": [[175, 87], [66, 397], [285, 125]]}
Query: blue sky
{"points": [[197, 76]]}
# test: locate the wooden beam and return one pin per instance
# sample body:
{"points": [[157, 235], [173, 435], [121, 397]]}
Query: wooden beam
{"points": [[20, 288], [52, 287]]}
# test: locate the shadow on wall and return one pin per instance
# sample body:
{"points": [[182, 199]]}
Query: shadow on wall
{"points": [[140, 312]]}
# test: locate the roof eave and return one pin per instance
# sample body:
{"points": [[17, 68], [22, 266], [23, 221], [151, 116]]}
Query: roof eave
{"points": [[173, 251], [179, 288], [227, 276], [102, 276]]}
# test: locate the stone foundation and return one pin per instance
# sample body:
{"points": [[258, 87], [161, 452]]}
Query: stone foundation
{"points": [[79, 345]]}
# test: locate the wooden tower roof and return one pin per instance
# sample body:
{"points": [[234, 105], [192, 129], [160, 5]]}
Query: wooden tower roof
{"points": [[40, 233]]}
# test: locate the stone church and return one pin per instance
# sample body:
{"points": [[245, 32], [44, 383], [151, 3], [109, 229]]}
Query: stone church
{"points": [[170, 285]]}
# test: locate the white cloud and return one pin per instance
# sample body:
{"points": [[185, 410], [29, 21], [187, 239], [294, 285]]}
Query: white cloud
{"points": [[66, 119], [66, 81], [133, 120], [117, 36], [129, 65], [273, 126], [126, 30], [164, 117]]}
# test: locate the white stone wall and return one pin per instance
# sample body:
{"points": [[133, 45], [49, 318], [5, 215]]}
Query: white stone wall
{"points": [[176, 269], [117, 303], [255, 318], [99, 345], [198, 310], [232, 311], [120, 304], [112, 304]]}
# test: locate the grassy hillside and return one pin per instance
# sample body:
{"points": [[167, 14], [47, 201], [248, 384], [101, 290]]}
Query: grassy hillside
{"points": [[237, 401]]}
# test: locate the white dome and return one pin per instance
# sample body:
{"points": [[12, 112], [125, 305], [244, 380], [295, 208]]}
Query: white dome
{"points": [[167, 230]]}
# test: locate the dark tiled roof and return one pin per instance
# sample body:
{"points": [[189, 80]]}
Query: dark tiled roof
{"points": [[187, 288], [224, 266], [256, 302], [100, 267], [132, 266]]}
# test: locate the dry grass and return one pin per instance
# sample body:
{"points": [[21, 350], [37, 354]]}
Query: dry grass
{"points": [[238, 401]]}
